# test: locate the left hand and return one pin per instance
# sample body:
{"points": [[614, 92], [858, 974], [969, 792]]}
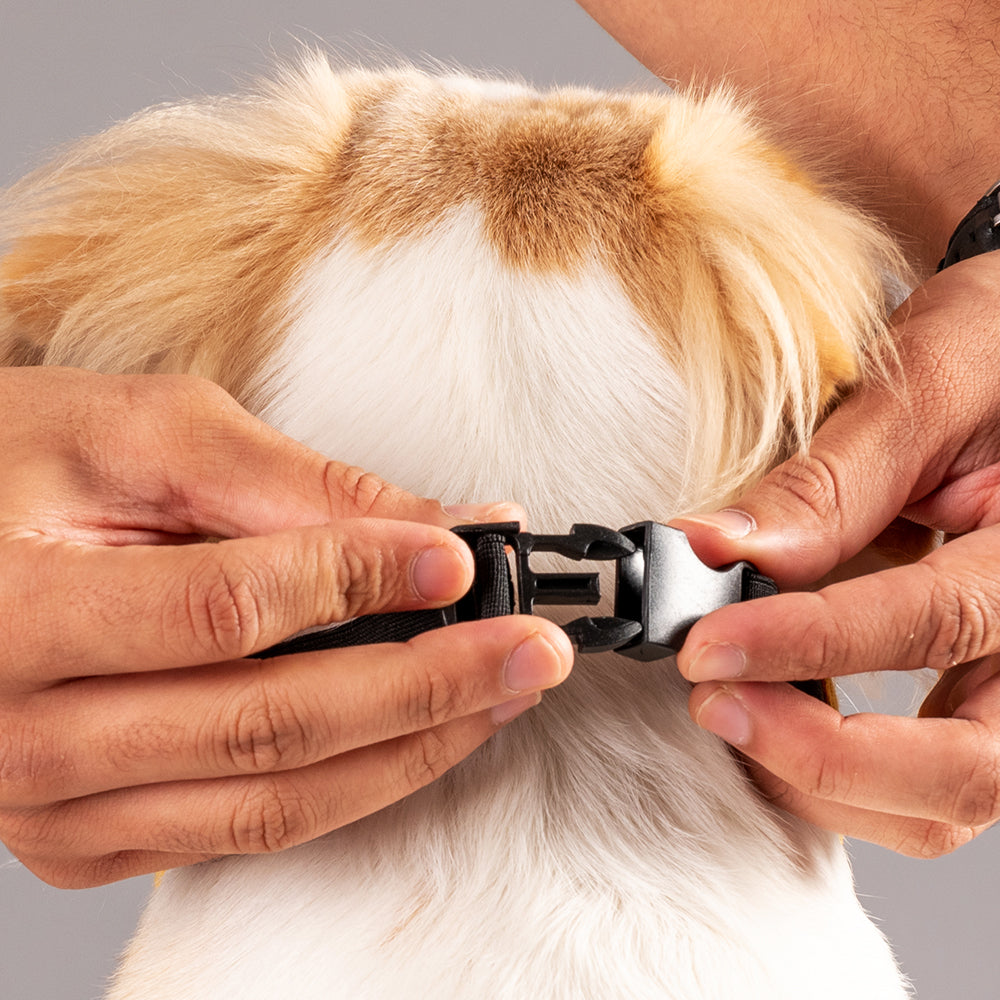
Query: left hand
{"points": [[931, 452]]}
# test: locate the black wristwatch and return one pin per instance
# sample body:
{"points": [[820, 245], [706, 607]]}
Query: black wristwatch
{"points": [[978, 232]]}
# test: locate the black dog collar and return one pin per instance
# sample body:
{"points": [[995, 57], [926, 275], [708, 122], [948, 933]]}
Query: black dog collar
{"points": [[661, 589]]}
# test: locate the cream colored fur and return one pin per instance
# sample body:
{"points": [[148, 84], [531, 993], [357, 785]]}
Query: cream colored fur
{"points": [[606, 307]]}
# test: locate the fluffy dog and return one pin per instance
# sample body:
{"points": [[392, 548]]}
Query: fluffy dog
{"points": [[607, 307]]}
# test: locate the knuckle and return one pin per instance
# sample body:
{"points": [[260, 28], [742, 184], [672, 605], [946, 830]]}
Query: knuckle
{"points": [[361, 492], [934, 840], [826, 777], [12, 832], [962, 622], [271, 816], [61, 876], [33, 832], [58, 873], [362, 580], [82, 873], [264, 733], [436, 699], [48, 842], [429, 755], [222, 607], [138, 741], [27, 768], [196, 392], [184, 399], [813, 482], [975, 801], [823, 645]]}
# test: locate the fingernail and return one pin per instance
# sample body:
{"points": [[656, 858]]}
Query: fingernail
{"points": [[717, 661], [536, 663], [482, 513], [726, 715], [510, 710], [438, 573], [730, 522]]}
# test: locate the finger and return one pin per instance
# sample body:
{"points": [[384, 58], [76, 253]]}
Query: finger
{"points": [[815, 511], [276, 715], [111, 835], [937, 770], [958, 687], [916, 838], [939, 612], [141, 608], [88, 873], [178, 455]]}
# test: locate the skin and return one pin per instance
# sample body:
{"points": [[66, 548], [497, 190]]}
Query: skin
{"points": [[913, 131], [134, 735]]}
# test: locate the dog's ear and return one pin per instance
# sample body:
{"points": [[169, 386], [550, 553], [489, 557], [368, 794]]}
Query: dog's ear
{"points": [[768, 292], [171, 241]]}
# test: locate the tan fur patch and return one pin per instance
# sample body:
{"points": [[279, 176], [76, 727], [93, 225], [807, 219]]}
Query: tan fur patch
{"points": [[551, 174], [174, 241]]}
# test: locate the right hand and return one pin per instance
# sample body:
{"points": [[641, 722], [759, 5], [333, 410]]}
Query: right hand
{"points": [[133, 734], [931, 452]]}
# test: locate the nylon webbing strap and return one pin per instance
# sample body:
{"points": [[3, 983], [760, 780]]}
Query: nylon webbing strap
{"points": [[491, 595], [364, 631], [755, 585]]}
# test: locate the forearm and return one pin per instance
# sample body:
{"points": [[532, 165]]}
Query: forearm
{"points": [[901, 98]]}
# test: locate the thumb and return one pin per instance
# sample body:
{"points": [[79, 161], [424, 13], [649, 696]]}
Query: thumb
{"points": [[819, 508], [238, 476], [179, 456]]}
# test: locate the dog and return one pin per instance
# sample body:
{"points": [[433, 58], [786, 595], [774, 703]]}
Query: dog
{"points": [[607, 307]]}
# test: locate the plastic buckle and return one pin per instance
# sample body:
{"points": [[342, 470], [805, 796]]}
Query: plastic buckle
{"points": [[583, 541], [667, 588], [661, 588]]}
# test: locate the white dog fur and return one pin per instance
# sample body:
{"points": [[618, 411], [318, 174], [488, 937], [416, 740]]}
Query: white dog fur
{"points": [[606, 307]]}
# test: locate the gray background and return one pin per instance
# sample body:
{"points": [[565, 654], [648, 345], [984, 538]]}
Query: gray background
{"points": [[72, 66]]}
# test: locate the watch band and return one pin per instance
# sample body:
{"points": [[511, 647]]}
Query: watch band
{"points": [[978, 232]]}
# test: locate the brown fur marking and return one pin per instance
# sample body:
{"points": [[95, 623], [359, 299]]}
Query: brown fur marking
{"points": [[175, 241]]}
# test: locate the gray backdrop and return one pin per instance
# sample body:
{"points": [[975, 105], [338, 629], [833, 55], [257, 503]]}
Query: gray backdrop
{"points": [[72, 66]]}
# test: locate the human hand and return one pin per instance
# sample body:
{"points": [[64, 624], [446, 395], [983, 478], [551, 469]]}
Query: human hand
{"points": [[919, 786], [133, 736]]}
